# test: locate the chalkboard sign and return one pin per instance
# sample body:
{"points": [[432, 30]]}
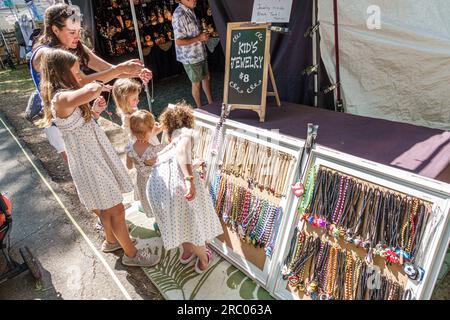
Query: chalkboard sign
{"points": [[246, 70]]}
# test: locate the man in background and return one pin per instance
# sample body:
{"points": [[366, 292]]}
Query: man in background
{"points": [[190, 48]]}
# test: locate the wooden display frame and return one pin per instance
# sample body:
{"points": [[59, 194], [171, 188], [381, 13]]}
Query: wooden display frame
{"points": [[403, 182], [267, 69]]}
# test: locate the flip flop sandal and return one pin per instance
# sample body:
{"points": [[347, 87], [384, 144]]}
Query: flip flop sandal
{"points": [[189, 259]]}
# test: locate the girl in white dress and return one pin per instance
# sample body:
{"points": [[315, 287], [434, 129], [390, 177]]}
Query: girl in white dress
{"points": [[179, 200], [98, 174], [125, 93], [142, 153]]}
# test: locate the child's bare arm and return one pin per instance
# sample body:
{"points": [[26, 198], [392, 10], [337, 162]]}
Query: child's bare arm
{"points": [[129, 163], [184, 158], [75, 98]]}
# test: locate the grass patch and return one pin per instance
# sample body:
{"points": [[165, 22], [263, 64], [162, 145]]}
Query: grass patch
{"points": [[15, 81]]}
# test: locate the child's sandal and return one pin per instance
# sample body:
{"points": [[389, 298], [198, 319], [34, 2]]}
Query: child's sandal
{"points": [[187, 260]]}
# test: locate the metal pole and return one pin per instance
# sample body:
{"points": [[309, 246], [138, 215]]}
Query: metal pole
{"points": [[314, 52], [141, 55], [339, 103]]}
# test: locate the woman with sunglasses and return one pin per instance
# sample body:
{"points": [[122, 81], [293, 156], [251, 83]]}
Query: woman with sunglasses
{"points": [[62, 26]]}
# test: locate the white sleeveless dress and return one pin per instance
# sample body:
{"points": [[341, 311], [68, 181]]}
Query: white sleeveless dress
{"points": [[180, 220], [142, 174], [97, 172]]}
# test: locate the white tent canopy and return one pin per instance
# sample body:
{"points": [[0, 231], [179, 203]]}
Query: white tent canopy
{"points": [[400, 71], [7, 18]]}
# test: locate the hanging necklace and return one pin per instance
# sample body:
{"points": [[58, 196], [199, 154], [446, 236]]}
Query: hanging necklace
{"points": [[348, 287]]}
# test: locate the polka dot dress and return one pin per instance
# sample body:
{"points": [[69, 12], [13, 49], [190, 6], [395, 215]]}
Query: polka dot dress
{"points": [[99, 175], [142, 174], [180, 220]]}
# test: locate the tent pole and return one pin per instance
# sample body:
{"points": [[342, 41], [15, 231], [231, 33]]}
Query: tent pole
{"points": [[318, 55], [339, 103], [141, 55], [314, 53]]}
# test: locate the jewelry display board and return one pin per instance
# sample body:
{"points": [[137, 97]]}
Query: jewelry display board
{"points": [[249, 182], [363, 231]]}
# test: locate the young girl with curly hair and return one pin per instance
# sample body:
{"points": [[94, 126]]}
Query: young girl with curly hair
{"points": [[179, 200]]}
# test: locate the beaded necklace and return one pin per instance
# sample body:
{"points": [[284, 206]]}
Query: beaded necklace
{"points": [[255, 219], [235, 207], [348, 286], [362, 282], [251, 212], [307, 252], [374, 226], [356, 276], [262, 218], [323, 276], [367, 201], [214, 189], [332, 270], [343, 186], [421, 225], [309, 189], [244, 214], [335, 187], [273, 235], [290, 261], [319, 264], [272, 211], [286, 174], [350, 204]]}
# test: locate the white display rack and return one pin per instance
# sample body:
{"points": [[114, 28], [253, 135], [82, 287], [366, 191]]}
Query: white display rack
{"points": [[437, 233]]}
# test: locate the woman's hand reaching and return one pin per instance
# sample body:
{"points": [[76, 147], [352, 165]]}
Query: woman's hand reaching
{"points": [[130, 69]]}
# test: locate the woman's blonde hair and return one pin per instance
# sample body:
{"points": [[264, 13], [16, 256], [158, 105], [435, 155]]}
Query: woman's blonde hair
{"points": [[141, 122], [57, 76], [121, 90], [176, 117]]}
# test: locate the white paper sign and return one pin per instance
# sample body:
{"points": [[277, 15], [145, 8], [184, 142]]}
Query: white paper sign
{"points": [[277, 11]]}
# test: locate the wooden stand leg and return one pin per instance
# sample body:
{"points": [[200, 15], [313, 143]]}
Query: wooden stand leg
{"points": [[274, 85]]}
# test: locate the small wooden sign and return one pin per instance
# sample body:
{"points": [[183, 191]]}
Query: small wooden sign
{"points": [[247, 65]]}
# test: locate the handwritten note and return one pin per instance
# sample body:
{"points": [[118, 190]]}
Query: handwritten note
{"points": [[277, 11]]}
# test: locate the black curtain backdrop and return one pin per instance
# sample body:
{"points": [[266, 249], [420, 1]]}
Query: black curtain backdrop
{"points": [[162, 63], [290, 53]]}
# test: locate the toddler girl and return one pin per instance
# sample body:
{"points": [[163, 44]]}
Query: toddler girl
{"points": [[126, 97], [142, 153], [182, 207]]}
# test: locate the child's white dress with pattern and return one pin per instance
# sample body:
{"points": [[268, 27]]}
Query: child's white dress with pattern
{"points": [[142, 174], [180, 220], [97, 172]]}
